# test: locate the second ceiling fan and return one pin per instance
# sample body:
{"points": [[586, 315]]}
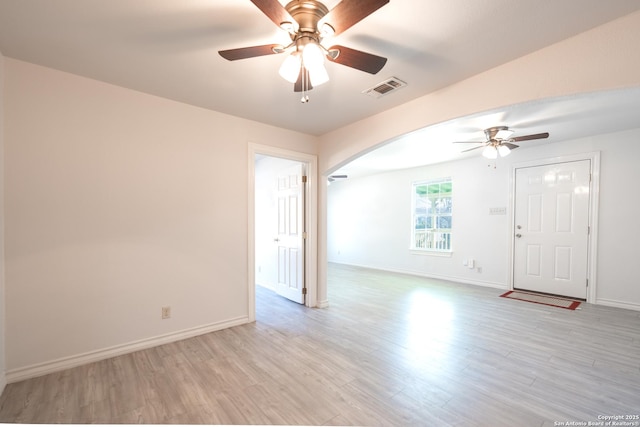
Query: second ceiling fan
{"points": [[500, 142], [308, 22]]}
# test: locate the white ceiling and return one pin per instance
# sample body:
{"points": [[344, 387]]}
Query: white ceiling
{"points": [[169, 48]]}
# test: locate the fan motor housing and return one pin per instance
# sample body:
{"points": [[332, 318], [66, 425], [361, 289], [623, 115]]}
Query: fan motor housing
{"points": [[492, 132], [307, 13]]}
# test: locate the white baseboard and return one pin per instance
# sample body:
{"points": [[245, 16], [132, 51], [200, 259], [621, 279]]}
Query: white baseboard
{"points": [[618, 304], [432, 276], [3, 384], [45, 368], [322, 304]]}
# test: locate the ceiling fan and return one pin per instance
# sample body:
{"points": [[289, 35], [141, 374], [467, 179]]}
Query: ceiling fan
{"points": [[333, 178], [308, 22], [500, 142]]}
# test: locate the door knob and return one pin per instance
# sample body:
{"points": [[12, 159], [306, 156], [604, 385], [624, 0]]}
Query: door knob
{"points": [[276, 240], [518, 235]]}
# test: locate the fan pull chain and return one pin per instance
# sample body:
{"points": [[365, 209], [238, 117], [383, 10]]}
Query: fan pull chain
{"points": [[305, 86]]}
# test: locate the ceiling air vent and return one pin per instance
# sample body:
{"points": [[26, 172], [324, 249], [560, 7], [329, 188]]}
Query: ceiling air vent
{"points": [[385, 87]]}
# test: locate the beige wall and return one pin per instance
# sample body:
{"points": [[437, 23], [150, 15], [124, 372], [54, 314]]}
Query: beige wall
{"points": [[119, 203]]}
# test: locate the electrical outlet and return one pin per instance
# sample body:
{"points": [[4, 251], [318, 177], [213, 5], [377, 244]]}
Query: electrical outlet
{"points": [[166, 312]]}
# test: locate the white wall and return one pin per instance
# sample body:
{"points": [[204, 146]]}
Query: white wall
{"points": [[267, 170], [119, 203], [369, 222], [369, 218], [3, 378]]}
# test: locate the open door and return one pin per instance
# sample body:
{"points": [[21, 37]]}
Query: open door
{"points": [[551, 235], [288, 265], [290, 240]]}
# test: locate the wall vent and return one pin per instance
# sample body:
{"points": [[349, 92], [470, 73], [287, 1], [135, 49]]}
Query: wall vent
{"points": [[385, 87]]}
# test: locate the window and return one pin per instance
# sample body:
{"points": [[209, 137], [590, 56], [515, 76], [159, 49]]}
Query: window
{"points": [[432, 215]]}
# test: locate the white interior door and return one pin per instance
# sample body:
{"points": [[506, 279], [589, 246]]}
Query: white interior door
{"points": [[290, 238], [551, 233]]}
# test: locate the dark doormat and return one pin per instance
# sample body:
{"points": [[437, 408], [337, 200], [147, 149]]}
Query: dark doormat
{"points": [[553, 301]]}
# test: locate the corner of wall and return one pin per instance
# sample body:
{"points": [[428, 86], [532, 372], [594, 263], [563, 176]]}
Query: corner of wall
{"points": [[3, 377]]}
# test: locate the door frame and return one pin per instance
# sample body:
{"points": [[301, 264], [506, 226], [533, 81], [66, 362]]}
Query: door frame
{"points": [[592, 241], [311, 221]]}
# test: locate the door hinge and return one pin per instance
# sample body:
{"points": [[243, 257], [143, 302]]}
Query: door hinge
{"points": [[304, 291], [304, 234], [304, 178], [587, 283]]}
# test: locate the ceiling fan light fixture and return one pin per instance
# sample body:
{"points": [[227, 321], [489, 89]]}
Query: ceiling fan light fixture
{"points": [[503, 150], [318, 75], [307, 22], [290, 68], [490, 152], [312, 56]]}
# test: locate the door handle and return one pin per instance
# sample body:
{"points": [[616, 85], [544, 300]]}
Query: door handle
{"points": [[276, 240], [518, 235]]}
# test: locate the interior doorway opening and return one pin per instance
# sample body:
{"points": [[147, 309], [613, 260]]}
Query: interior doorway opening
{"points": [[282, 225]]}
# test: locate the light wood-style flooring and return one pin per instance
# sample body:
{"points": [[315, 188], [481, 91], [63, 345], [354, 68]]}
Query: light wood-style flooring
{"points": [[390, 350]]}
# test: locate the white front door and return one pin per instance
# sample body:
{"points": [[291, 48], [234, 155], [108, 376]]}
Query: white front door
{"points": [[290, 238], [551, 234]]}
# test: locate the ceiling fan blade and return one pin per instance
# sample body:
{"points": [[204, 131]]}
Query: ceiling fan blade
{"points": [[530, 137], [248, 52], [474, 148], [304, 74], [509, 145], [357, 59], [347, 13], [274, 10]]}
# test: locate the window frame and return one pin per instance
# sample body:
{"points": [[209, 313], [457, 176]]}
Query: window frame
{"points": [[414, 218]]}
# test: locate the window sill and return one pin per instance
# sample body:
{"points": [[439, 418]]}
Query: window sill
{"points": [[426, 252]]}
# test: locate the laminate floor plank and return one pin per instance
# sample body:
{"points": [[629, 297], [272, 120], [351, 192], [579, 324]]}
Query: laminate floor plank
{"points": [[391, 349]]}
